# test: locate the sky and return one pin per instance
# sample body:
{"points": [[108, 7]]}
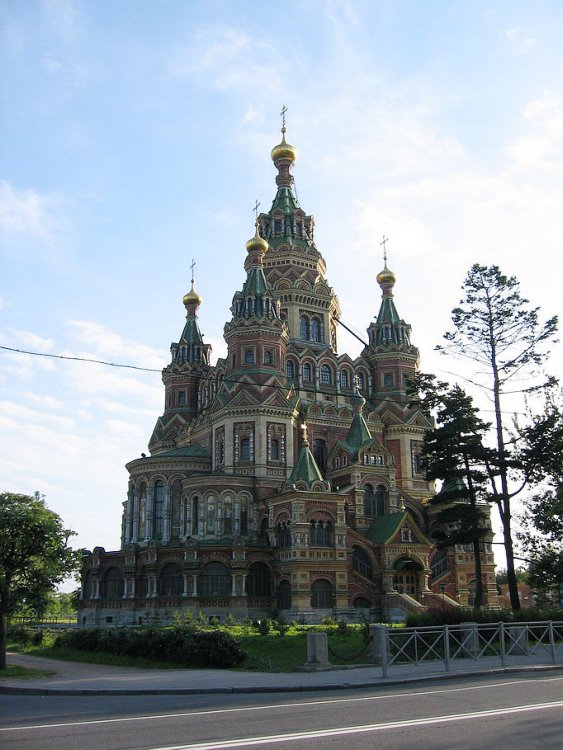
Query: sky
{"points": [[136, 136]]}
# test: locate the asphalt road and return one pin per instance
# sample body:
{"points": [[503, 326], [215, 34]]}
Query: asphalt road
{"points": [[522, 711]]}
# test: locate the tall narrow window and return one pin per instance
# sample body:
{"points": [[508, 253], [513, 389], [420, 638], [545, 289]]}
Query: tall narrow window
{"points": [[344, 378], [249, 357], [307, 371], [303, 328], [290, 369], [158, 506], [326, 374], [315, 330], [322, 594], [320, 453], [245, 449]]}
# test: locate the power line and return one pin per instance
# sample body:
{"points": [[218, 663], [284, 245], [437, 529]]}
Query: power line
{"points": [[79, 359]]}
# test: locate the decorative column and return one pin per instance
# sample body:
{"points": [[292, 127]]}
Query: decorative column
{"points": [[233, 584], [150, 514]]}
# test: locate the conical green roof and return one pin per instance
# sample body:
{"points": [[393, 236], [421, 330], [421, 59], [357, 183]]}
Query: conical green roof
{"points": [[305, 469]]}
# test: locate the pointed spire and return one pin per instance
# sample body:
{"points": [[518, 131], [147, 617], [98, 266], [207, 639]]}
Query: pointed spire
{"points": [[359, 433], [191, 349], [256, 299], [389, 329], [305, 469]]}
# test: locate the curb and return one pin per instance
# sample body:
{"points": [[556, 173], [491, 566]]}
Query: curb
{"points": [[383, 682]]}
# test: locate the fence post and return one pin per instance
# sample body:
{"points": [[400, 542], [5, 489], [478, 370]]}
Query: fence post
{"points": [[447, 647], [383, 646], [551, 640], [317, 651], [501, 643], [379, 651]]}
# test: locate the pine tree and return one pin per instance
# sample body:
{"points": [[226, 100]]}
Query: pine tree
{"points": [[454, 453], [495, 327]]}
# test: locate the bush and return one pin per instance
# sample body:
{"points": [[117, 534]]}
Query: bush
{"points": [[467, 614], [190, 646]]}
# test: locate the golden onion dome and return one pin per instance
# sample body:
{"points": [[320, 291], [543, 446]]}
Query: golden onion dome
{"points": [[257, 243], [284, 150], [192, 297], [386, 276]]}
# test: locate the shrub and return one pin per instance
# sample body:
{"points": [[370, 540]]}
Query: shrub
{"points": [[342, 627], [189, 646]]}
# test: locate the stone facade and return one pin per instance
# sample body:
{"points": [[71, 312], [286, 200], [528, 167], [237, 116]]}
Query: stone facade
{"points": [[284, 479]]}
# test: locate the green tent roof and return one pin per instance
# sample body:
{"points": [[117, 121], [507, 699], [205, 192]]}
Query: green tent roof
{"points": [[384, 528]]}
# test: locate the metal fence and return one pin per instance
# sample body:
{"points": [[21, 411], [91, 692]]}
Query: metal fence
{"points": [[460, 646]]}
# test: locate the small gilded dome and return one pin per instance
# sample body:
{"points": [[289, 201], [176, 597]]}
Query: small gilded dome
{"points": [[386, 276], [192, 297], [257, 243], [284, 150]]}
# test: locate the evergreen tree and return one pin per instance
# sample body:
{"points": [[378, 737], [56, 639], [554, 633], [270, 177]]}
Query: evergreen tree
{"points": [[495, 328], [454, 453]]}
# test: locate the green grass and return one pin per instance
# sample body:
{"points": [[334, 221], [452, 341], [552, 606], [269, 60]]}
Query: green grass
{"points": [[23, 673], [266, 653]]}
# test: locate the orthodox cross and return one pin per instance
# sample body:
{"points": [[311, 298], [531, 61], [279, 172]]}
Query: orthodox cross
{"points": [[385, 239], [282, 113], [255, 209], [192, 267]]}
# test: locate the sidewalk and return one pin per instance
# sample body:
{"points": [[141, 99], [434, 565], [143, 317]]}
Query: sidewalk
{"points": [[74, 678]]}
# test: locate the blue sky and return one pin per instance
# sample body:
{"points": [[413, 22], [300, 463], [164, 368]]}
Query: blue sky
{"points": [[136, 136]]}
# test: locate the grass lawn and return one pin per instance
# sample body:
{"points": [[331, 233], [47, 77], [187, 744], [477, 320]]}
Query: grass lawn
{"points": [[23, 673], [265, 653]]}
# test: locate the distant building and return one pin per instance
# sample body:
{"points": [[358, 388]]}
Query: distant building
{"points": [[285, 479]]}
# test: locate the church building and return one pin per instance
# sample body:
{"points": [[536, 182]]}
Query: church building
{"points": [[284, 480]]}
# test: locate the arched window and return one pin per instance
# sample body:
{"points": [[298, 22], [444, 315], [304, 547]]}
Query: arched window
{"points": [[143, 584], [274, 450], [362, 603], [307, 371], [89, 588], [344, 378], [315, 330], [249, 357], [113, 584], [283, 535], [195, 516], [290, 369], [158, 506], [326, 375], [259, 580], [171, 580], [374, 501], [361, 381], [303, 327], [214, 580], [361, 562], [322, 594], [321, 534], [245, 449], [268, 358], [283, 595]]}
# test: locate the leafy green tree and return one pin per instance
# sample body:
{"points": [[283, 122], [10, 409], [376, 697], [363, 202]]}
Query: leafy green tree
{"points": [[541, 448], [495, 328], [454, 453], [34, 556]]}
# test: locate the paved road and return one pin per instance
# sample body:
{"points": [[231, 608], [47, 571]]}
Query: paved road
{"points": [[92, 706], [521, 710]]}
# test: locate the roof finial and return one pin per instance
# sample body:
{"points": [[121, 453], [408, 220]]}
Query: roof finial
{"points": [[192, 266], [304, 436], [282, 113], [383, 242], [255, 209]]}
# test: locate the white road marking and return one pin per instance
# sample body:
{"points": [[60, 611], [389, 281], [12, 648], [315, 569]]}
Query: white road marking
{"points": [[277, 738], [272, 706]]}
